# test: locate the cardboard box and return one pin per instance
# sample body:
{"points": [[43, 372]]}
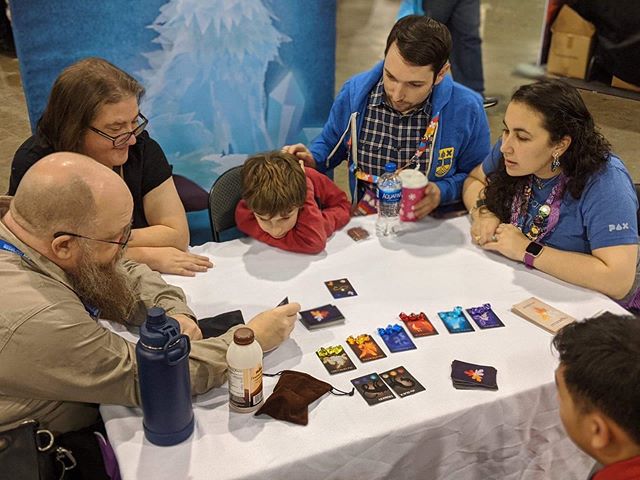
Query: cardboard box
{"points": [[571, 42], [616, 82]]}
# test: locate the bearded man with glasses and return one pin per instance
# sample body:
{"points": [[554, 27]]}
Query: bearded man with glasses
{"points": [[62, 240], [93, 109]]}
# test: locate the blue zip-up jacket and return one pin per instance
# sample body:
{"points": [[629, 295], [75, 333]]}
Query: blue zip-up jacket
{"points": [[462, 140]]}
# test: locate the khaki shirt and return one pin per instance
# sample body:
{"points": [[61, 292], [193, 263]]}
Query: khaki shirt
{"points": [[57, 363]]}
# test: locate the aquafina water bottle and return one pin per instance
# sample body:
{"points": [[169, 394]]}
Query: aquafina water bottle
{"points": [[389, 195]]}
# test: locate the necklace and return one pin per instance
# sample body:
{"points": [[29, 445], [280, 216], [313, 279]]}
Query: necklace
{"points": [[541, 183], [546, 218]]}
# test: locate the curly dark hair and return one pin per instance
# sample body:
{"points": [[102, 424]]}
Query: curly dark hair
{"points": [[563, 114]]}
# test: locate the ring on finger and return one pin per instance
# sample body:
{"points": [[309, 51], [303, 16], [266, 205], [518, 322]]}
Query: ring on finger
{"points": [[494, 238]]}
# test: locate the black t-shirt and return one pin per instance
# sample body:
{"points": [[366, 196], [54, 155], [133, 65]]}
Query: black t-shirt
{"points": [[146, 168]]}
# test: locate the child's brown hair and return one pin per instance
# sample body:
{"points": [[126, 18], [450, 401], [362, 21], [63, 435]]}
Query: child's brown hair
{"points": [[273, 183]]}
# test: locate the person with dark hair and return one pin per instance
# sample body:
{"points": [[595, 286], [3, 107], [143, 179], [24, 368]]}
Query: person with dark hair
{"points": [[405, 110], [598, 383], [287, 205], [552, 195], [93, 109]]}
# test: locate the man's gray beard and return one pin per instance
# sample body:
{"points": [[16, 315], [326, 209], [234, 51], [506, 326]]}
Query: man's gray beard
{"points": [[106, 287]]}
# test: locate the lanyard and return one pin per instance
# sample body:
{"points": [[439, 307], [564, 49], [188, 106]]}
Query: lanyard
{"points": [[9, 247], [426, 143]]}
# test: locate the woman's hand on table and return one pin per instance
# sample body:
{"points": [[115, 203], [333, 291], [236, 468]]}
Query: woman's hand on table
{"points": [[509, 241], [174, 261], [273, 327], [483, 226]]}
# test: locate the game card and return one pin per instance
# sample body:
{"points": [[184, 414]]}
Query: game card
{"points": [[418, 324], [372, 389], [543, 315], [396, 339], [335, 359], [402, 382], [285, 301], [484, 316], [455, 321], [340, 288], [321, 317], [471, 375], [365, 348]]}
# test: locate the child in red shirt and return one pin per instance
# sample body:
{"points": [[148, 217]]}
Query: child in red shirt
{"points": [[599, 391], [289, 206]]}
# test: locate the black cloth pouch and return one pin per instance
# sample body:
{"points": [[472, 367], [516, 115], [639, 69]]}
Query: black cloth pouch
{"points": [[218, 325]]}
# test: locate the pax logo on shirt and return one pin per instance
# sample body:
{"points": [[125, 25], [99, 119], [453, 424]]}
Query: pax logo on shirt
{"points": [[618, 227]]}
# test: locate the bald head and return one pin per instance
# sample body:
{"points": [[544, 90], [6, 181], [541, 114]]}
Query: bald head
{"points": [[65, 191]]}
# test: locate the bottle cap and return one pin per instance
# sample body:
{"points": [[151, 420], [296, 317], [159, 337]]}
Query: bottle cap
{"points": [[390, 167], [243, 336], [158, 329]]}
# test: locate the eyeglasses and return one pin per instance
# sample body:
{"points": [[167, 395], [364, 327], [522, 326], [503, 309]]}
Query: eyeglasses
{"points": [[124, 137], [126, 234]]}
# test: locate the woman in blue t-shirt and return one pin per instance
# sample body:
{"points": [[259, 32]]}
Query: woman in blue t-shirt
{"points": [[552, 195]]}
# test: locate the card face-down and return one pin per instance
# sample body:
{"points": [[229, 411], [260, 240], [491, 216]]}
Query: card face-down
{"points": [[401, 382], [340, 288], [365, 348], [321, 317], [542, 314], [455, 321], [372, 389], [470, 375], [335, 359]]}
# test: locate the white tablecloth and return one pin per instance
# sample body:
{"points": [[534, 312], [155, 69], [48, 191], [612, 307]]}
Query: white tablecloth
{"points": [[442, 433]]}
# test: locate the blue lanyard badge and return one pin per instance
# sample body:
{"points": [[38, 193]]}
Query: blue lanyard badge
{"points": [[9, 247]]}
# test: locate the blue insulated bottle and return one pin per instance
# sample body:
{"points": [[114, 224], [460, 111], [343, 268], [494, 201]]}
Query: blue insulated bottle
{"points": [[163, 373]]}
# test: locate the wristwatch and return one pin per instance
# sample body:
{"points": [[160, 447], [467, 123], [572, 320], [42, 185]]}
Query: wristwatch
{"points": [[531, 253]]}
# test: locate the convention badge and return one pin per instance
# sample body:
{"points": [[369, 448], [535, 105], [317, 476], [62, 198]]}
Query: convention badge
{"points": [[368, 204], [335, 359]]}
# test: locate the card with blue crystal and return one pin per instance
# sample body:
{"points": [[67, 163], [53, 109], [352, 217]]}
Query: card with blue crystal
{"points": [[455, 321], [396, 339]]}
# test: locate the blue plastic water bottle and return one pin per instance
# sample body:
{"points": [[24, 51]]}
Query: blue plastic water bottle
{"points": [[165, 385], [389, 196]]}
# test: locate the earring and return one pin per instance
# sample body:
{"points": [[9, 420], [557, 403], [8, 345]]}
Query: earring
{"points": [[556, 161]]}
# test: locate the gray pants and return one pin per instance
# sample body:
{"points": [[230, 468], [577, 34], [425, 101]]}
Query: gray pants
{"points": [[462, 18]]}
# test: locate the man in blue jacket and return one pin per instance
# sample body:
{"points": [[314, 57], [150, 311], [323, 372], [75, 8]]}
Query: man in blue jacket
{"points": [[409, 111]]}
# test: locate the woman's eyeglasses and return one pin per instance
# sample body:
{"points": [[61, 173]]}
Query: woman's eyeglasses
{"points": [[123, 138]]}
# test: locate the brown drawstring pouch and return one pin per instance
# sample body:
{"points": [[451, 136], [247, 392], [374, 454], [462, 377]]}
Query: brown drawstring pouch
{"points": [[293, 394]]}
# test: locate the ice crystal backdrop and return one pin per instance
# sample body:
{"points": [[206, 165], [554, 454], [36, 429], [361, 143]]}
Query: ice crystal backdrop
{"points": [[224, 78]]}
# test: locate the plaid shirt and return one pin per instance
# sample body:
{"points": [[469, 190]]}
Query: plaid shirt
{"points": [[389, 136]]}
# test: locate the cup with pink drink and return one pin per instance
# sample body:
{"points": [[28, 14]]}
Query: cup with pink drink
{"points": [[413, 185]]}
